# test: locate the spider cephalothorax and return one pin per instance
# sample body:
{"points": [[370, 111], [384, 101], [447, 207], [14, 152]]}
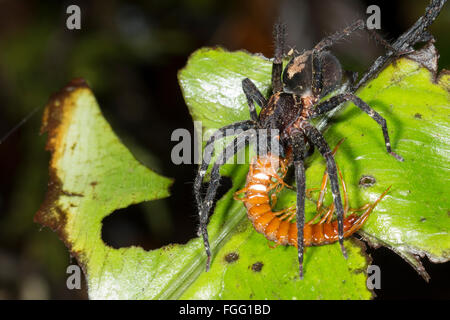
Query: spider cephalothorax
{"points": [[296, 98]]}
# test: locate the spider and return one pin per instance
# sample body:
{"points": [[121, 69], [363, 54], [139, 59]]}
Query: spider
{"points": [[296, 98]]}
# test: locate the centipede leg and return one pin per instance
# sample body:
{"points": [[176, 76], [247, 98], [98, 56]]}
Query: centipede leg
{"points": [[309, 192], [318, 214], [362, 219], [209, 151], [323, 188], [319, 204], [287, 213], [362, 208], [328, 216], [344, 191], [316, 137], [239, 192], [272, 246]]}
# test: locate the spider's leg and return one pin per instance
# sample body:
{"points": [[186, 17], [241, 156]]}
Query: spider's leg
{"points": [[351, 76], [414, 34], [318, 140], [359, 24], [310, 151], [298, 149], [209, 150], [253, 94], [323, 188], [279, 35], [237, 144], [317, 81], [324, 44], [327, 42], [326, 106], [418, 32]]}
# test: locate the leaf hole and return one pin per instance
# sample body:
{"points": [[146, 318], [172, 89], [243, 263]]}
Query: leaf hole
{"points": [[367, 181], [231, 257], [257, 266], [148, 225]]}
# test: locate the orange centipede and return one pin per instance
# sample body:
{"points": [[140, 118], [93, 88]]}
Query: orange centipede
{"points": [[265, 180]]}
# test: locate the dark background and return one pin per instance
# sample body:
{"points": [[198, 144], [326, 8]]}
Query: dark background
{"points": [[130, 53]]}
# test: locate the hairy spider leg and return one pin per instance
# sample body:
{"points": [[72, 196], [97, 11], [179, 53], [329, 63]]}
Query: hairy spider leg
{"points": [[279, 35], [237, 144], [318, 140], [416, 33], [357, 25], [253, 94], [209, 150], [333, 102], [298, 147], [329, 41], [317, 81]]}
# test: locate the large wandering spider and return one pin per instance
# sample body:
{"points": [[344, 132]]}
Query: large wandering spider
{"points": [[296, 98]]}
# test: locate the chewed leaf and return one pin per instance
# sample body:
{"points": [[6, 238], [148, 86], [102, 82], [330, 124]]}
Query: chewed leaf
{"points": [[92, 174]]}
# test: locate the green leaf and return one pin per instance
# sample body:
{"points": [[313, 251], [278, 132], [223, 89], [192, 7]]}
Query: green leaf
{"points": [[412, 219], [92, 174], [211, 84]]}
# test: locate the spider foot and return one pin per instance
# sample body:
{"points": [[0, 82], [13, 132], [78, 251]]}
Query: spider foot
{"points": [[300, 273], [344, 251], [396, 156], [208, 263]]}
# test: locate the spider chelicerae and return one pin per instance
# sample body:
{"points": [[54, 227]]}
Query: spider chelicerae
{"points": [[297, 93]]}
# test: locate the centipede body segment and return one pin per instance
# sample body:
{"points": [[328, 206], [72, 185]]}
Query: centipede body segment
{"points": [[265, 181]]}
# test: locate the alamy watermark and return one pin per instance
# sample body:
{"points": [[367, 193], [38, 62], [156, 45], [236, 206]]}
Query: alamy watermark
{"points": [[374, 20], [74, 279], [73, 21], [373, 277]]}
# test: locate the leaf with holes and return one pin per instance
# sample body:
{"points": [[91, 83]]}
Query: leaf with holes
{"points": [[92, 174]]}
